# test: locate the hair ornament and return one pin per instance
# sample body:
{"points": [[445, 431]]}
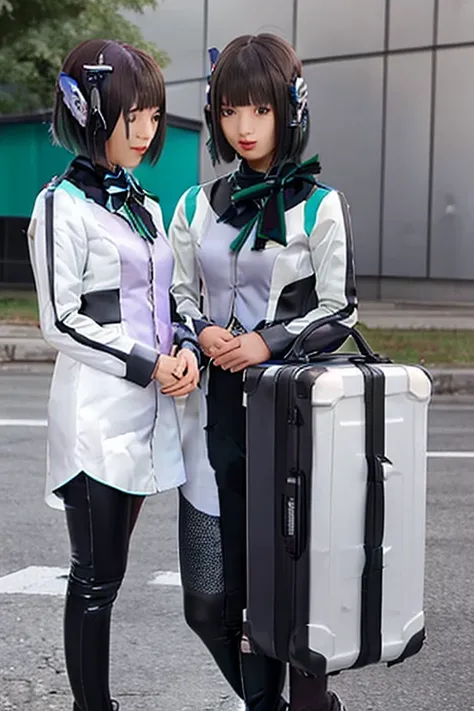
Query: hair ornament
{"points": [[299, 102], [73, 98], [214, 55], [95, 75]]}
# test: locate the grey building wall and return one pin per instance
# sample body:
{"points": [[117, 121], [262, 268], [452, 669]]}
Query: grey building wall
{"points": [[392, 102]]}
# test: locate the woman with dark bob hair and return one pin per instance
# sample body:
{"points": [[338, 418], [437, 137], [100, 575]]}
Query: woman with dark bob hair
{"points": [[261, 253], [103, 267]]}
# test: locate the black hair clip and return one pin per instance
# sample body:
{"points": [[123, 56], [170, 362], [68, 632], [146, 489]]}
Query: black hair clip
{"points": [[95, 75]]}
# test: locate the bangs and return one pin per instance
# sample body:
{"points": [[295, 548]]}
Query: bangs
{"points": [[245, 80], [136, 81]]}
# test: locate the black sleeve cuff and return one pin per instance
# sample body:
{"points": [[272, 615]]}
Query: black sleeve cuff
{"points": [[141, 363], [185, 338], [183, 333], [200, 324], [278, 339]]}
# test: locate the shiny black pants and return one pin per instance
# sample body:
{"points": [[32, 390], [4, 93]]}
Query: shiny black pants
{"points": [[213, 565], [100, 520]]}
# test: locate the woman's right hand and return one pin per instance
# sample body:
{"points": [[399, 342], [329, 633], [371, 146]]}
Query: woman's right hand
{"points": [[212, 338], [168, 370]]}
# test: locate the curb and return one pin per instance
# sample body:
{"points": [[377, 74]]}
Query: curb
{"points": [[453, 382], [24, 351]]}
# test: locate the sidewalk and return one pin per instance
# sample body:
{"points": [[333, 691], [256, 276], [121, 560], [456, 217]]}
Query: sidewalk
{"points": [[377, 314], [24, 344]]}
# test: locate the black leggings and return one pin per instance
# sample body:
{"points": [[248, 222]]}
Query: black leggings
{"points": [[100, 521], [213, 564]]}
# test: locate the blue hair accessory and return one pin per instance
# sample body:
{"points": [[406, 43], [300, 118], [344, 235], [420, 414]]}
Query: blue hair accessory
{"points": [[73, 98], [299, 102], [214, 55]]}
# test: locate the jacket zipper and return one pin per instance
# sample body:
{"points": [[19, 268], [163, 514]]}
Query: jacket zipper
{"points": [[234, 287]]}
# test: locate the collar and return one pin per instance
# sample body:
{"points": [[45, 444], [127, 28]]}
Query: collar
{"points": [[261, 199], [117, 191]]}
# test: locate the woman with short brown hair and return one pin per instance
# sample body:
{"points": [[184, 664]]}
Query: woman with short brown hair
{"points": [[261, 253], [103, 267]]}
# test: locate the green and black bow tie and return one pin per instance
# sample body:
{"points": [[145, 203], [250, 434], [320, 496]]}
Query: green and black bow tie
{"points": [[126, 197], [264, 202], [118, 192]]}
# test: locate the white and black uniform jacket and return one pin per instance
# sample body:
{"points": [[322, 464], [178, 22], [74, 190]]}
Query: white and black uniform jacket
{"points": [[104, 303], [275, 289]]}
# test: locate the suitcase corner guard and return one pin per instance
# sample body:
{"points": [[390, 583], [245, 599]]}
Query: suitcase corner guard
{"points": [[413, 647]]}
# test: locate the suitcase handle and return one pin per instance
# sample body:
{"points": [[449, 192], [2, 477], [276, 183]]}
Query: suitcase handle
{"points": [[326, 339], [294, 514]]}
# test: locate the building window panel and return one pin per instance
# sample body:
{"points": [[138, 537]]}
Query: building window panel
{"points": [[227, 20], [411, 23], [346, 130], [176, 27], [339, 27], [452, 219], [455, 21], [407, 148]]}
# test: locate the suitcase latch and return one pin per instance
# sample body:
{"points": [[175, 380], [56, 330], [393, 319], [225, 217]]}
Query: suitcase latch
{"points": [[294, 417]]}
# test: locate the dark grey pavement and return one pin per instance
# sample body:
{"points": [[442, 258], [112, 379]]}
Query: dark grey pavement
{"points": [[158, 664]]}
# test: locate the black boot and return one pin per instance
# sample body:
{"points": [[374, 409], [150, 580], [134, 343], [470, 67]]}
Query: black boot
{"points": [[263, 679], [282, 706], [309, 693], [114, 706]]}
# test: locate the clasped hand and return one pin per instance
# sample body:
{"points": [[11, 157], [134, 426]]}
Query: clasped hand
{"points": [[179, 374], [234, 353]]}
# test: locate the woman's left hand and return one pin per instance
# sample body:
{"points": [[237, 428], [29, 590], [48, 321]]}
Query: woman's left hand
{"points": [[251, 350], [186, 374]]}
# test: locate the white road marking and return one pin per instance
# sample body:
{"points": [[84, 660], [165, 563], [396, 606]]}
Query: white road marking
{"points": [[166, 577], [44, 423], [35, 580], [450, 455], [44, 580], [23, 423]]}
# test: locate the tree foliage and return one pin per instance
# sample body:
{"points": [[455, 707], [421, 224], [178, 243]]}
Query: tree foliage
{"points": [[36, 35]]}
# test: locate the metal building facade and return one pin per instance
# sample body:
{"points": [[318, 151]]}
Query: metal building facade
{"points": [[392, 102]]}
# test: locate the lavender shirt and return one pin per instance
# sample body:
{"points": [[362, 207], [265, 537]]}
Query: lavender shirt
{"points": [[146, 271]]}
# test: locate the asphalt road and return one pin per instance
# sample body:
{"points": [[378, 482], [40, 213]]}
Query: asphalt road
{"points": [[158, 664]]}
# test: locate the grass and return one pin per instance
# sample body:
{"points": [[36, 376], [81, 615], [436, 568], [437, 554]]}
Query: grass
{"points": [[430, 347], [19, 308]]}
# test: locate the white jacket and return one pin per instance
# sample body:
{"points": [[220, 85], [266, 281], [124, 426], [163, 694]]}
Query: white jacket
{"points": [[103, 294], [279, 291]]}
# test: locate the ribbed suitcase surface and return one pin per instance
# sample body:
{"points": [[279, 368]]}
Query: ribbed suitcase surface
{"points": [[336, 511]]}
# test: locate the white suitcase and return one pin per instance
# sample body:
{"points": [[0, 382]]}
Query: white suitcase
{"points": [[336, 511]]}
